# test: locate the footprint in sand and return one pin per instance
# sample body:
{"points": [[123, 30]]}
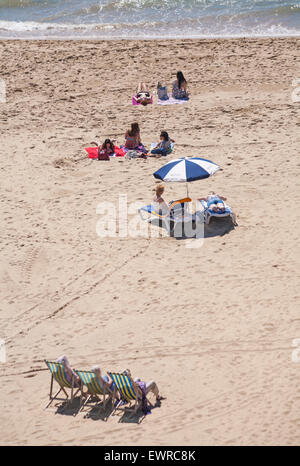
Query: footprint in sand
{"points": [[35, 267]]}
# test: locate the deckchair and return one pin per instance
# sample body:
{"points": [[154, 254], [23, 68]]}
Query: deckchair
{"points": [[207, 213], [91, 381], [178, 213], [58, 374], [128, 391]]}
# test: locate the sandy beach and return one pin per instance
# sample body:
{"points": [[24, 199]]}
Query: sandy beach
{"points": [[213, 326]]}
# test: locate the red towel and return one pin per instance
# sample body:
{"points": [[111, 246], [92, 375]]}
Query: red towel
{"points": [[93, 152], [119, 152]]}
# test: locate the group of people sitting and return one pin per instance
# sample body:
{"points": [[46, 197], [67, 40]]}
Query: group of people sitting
{"points": [[133, 137], [179, 91], [142, 387], [133, 143], [214, 201]]}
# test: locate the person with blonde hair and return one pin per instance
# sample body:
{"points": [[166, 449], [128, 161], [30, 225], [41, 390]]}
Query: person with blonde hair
{"points": [[107, 379], [69, 372], [159, 204]]}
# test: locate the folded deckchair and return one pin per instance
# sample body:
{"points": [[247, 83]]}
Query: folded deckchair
{"points": [[207, 213], [95, 388], [128, 391], [58, 374], [178, 213]]}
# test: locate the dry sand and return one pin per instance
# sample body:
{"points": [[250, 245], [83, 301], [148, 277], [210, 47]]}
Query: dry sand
{"points": [[213, 325]]}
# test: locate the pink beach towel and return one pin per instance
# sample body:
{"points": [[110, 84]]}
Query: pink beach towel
{"points": [[135, 102]]}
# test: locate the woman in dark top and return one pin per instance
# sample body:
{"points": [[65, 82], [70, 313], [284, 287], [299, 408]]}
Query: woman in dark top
{"points": [[179, 90], [106, 150]]}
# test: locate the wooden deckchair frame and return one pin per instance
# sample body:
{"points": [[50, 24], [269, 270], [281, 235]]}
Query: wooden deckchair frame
{"points": [[137, 400], [61, 388], [104, 388]]}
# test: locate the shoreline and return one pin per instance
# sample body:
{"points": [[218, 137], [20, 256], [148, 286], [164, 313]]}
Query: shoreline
{"points": [[141, 39]]}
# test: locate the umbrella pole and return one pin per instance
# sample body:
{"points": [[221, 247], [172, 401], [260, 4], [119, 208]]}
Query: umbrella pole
{"points": [[187, 190]]}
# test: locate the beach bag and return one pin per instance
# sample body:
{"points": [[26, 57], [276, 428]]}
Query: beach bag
{"points": [[162, 93], [135, 154], [132, 154]]}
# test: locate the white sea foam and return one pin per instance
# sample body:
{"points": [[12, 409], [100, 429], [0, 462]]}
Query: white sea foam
{"points": [[148, 18]]}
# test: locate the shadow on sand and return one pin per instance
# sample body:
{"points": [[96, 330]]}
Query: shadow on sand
{"points": [[67, 408], [216, 227], [98, 412], [130, 417]]}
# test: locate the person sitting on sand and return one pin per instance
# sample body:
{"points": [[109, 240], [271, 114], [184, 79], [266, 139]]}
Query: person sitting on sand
{"points": [[70, 373], [105, 150], [133, 139], [143, 96], [159, 203], [214, 202], [179, 90], [163, 146]]}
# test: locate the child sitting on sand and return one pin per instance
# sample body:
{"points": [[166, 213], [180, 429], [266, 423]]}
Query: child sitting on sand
{"points": [[163, 146]]}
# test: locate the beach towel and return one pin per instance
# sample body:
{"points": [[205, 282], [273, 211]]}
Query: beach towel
{"points": [[93, 152], [171, 101], [135, 102], [140, 148]]}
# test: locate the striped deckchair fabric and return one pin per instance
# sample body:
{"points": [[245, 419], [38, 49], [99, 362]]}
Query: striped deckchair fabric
{"points": [[127, 391], [58, 374], [90, 380], [124, 385]]}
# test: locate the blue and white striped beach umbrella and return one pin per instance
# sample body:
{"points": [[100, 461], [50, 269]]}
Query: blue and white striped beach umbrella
{"points": [[186, 169]]}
